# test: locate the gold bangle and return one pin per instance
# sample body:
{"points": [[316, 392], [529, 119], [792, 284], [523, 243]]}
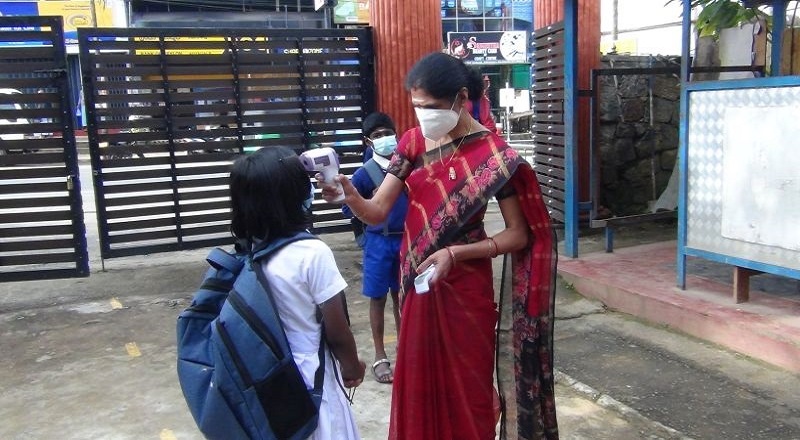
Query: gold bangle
{"points": [[492, 247], [452, 255]]}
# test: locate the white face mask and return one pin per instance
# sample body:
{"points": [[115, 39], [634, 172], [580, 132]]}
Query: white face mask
{"points": [[435, 122], [384, 146]]}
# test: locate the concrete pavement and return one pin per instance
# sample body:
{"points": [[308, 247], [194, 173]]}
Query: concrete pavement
{"points": [[94, 358]]}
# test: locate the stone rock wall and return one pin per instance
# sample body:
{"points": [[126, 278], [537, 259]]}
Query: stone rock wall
{"points": [[637, 138]]}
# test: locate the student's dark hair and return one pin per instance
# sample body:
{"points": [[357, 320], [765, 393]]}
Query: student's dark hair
{"points": [[374, 121], [442, 76], [267, 189]]}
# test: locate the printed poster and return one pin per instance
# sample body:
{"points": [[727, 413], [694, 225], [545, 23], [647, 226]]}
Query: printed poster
{"points": [[76, 14], [509, 47]]}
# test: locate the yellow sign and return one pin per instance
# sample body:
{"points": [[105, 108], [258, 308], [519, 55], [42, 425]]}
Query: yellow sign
{"points": [[216, 50], [192, 51], [77, 13]]}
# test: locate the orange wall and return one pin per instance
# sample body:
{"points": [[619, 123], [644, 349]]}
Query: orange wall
{"points": [[403, 32], [547, 12]]}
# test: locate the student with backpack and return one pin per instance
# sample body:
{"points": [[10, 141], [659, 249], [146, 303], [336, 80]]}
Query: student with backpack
{"points": [[381, 244], [225, 364]]}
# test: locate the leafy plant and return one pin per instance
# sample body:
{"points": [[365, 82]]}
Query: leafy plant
{"points": [[720, 14]]}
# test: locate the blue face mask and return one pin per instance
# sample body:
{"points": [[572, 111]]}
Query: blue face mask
{"points": [[384, 146], [307, 202]]}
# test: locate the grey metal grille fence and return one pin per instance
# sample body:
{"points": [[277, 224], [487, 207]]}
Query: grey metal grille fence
{"points": [[42, 232], [169, 109]]}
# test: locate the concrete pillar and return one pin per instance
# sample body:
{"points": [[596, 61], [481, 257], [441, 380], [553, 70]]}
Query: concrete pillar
{"points": [[403, 32]]}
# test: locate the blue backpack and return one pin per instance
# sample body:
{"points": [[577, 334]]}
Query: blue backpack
{"points": [[235, 367]]}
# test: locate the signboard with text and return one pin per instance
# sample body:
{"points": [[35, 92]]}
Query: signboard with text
{"points": [[508, 47], [76, 14], [351, 12]]}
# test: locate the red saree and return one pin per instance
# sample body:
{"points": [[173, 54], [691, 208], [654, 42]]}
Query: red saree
{"points": [[443, 384]]}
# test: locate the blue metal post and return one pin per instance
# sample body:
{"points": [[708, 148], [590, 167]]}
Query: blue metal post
{"points": [[570, 127], [683, 164], [778, 24]]}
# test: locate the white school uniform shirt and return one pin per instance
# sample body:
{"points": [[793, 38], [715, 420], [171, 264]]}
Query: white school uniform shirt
{"points": [[302, 275]]}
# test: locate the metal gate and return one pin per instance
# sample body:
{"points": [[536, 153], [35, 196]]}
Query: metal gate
{"points": [[169, 109], [42, 232]]}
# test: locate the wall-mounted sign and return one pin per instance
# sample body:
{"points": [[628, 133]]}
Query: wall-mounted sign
{"points": [[510, 47], [76, 14], [507, 97], [213, 49], [351, 12]]}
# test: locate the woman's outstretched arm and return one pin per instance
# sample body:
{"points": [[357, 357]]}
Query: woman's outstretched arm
{"points": [[370, 211]]}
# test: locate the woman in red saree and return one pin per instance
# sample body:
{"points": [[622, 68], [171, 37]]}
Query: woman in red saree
{"points": [[451, 166]]}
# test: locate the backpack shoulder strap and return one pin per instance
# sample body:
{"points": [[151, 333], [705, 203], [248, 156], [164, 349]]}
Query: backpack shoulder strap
{"points": [[264, 254], [375, 172], [268, 248], [377, 175], [221, 259]]}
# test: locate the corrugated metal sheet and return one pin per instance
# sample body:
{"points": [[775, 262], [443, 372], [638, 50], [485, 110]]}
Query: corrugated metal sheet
{"points": [[404, 31]]}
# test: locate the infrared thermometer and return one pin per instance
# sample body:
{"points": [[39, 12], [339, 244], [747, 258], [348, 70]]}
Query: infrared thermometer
{"points": [[326, 162]]}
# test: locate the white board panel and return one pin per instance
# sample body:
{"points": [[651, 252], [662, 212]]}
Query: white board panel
{"points": [[761, 176]]}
